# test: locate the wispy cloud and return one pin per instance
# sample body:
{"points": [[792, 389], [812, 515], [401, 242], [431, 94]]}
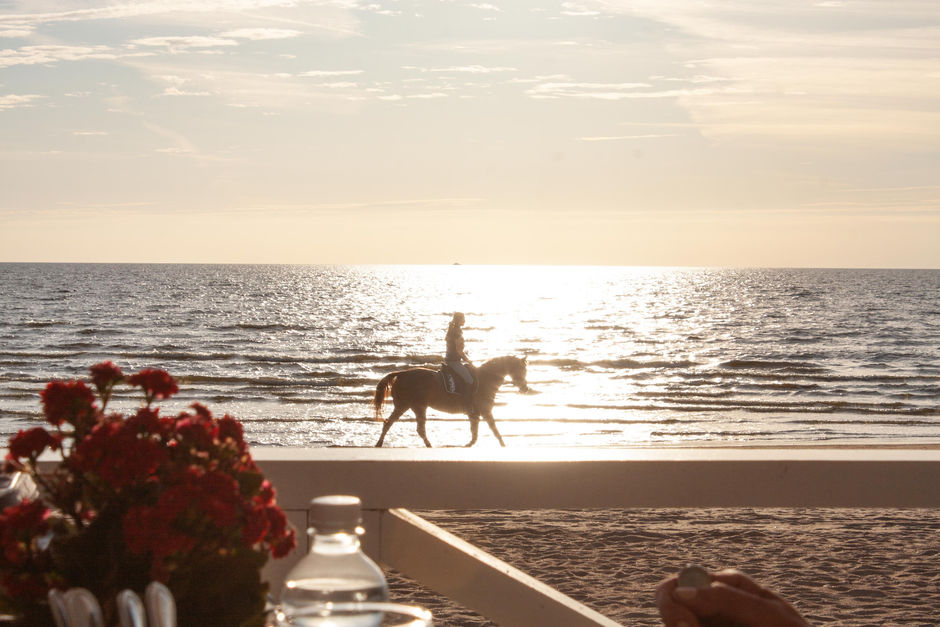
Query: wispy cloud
{"points": [[183, 43], [177, 87], [12, 33], [14, 101], [462, 69], [600, 91], [262, 34], [329, 73], [809, 69], [34, 55], [575, 9], [145, 8], [625, 137]]}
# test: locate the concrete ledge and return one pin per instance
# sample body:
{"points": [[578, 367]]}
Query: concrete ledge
{"points": [[588, 478]]}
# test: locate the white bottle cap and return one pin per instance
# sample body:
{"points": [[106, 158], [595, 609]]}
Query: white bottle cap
{"points": [[335, 512]]}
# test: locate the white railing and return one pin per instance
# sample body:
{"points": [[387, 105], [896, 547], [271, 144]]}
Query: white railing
{"points": [[391, 481]]}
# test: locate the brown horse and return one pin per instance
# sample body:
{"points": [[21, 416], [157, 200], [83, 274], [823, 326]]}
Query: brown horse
{"points": [[419, 388]]}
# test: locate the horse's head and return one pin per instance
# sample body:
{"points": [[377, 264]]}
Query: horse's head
{"points": [[517, 371]]}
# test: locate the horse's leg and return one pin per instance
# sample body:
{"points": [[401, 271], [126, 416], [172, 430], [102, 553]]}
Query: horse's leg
{"points": [[492, 423], [421, 417], [474, 429], [395, 415]]}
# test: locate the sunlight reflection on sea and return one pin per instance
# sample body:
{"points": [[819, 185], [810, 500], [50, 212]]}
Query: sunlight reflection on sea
{"points": [[617, 356]]}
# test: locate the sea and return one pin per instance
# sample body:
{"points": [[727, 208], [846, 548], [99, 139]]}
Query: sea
{"points": [[617, 356]]}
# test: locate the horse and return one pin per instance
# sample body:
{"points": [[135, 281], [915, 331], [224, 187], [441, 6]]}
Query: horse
{"points": [[419, 388]]}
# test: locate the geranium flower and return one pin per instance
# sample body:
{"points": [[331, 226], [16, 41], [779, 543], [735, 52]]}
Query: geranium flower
{"points": [[32, 443], [116, 454], [72, 402], [174, 498], [105, 375], [157, 384]]}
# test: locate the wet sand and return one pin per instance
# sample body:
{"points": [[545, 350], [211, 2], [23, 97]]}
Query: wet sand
{"points": [[837, 566]]}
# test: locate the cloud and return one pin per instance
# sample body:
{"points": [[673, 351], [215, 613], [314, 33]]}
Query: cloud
{"points": [[573, 9], [329, 73], [184, 43], [89, 133], [334, 17], [34, 55], [261, 34], [601, 91], [626, 137], [12, 33], [15, 101], [809, 69], [465, 69], [177, 86]]}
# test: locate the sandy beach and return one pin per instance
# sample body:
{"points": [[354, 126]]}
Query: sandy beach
{"points": [[838, 566]]}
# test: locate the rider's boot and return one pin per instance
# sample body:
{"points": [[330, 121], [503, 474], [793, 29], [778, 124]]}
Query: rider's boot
{"points": [[468, 400]]}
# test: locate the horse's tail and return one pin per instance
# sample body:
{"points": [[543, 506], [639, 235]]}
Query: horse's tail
{"points": [[381, 392]]}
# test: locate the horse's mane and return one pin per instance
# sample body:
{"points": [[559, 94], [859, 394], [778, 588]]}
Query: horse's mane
{"points": [[497, 363]]}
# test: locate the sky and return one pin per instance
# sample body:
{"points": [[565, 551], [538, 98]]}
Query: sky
{"points": [[798, 133]]}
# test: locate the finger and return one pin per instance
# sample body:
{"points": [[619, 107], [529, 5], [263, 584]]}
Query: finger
{"points": [[737, 579], [736, 604], [672, 613]]}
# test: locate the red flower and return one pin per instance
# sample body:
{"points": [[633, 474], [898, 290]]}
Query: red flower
{"points": [[284, 545], [197, 431], [184, 492], [220, 498], [232, 434], [68, 401], [19, 524], [114, 452], [256, 526], [32, 443], [105, 375], [265, 494], [157, 384], [148, 422], [277, 520]]}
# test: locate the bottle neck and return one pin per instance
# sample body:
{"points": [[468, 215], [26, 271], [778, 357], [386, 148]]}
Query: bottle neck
{"points": [[337, 542]]}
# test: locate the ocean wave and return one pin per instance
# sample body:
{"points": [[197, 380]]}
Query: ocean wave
{"points": [[758, 364], [614, 364], [631, 364], [697, 404], [95, 331], [41, 324], [262, 326]]}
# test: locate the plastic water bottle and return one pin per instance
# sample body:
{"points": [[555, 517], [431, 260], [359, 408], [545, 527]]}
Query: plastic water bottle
{"points": [[335, 570]]}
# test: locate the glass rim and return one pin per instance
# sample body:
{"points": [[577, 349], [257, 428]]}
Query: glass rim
{"points": [[325, 608]]}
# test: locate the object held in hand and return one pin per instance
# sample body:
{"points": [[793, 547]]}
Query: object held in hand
{"points": [[694, 577]]}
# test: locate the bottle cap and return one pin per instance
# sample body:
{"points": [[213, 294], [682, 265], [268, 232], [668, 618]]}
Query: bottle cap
{"points": [[335, 512]]}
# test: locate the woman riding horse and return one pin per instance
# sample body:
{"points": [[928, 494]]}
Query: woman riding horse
{"points": [[419, 388], [457, 359]]}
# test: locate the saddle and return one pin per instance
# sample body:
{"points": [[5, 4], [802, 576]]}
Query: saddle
{"points": [[452, 382]]}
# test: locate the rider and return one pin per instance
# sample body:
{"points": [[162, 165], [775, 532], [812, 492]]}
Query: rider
{"points": [[457, 359]]}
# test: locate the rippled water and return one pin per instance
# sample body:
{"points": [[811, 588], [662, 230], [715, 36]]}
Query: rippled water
{"points": [[617, 356]]}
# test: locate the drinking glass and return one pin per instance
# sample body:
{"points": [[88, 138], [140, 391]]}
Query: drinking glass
{"points": [[356, 614]]}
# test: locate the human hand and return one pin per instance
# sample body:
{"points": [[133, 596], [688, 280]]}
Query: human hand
{"points": [[733, 598]]}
